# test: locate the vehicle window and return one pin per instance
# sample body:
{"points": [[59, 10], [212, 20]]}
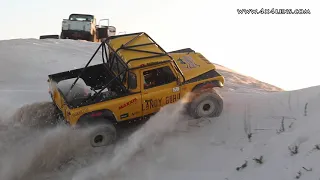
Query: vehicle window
{"points": [[158, 77], [132, 80], [80, 17]]}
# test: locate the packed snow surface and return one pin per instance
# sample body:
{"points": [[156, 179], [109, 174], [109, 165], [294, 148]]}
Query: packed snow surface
{"points": [[263, 133]]}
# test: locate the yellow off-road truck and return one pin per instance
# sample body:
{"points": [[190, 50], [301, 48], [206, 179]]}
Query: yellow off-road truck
{"points": [[135, 79]]}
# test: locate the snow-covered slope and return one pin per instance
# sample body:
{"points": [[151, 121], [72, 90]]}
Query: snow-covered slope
{"points": [[255, 122], [237, 81]]}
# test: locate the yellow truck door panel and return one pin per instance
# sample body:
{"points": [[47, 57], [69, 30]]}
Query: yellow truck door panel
{"points": [[159, 88], [129, 107]]}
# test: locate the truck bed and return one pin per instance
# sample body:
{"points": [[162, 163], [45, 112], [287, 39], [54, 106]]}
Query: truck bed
{"points": [[93, 79]]}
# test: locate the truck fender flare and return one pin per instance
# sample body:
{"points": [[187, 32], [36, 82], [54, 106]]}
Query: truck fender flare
{"points": [[207, 85], [201, 88], [104, 113]]}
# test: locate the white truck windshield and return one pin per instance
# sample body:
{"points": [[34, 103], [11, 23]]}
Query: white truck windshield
{"points": [[80, 17]]}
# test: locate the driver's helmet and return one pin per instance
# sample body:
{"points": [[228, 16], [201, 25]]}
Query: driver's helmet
{"points": [[149, 77]]}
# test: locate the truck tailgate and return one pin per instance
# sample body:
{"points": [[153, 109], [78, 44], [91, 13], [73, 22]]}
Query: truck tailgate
{"points": [[56, 96]]}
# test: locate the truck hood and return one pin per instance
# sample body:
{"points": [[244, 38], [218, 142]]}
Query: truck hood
{"points": [[192, 64]]}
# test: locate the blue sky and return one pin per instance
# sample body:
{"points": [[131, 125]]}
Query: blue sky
{"points": [[278, 49]]}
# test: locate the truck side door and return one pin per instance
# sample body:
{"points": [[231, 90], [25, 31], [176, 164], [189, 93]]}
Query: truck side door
{"points": [[158, 87], [129, 107]]}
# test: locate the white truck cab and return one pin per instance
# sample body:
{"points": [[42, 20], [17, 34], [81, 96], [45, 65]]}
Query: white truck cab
{"points": [[78, 26], [85, 27]]}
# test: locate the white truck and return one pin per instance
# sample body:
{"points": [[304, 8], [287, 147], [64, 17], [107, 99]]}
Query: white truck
{"points": [[85, 27]]}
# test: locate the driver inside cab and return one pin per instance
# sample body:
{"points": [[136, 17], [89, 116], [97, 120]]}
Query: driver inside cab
{"points": [[149, 79]]}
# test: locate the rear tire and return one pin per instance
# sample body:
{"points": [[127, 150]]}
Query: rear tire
{"points": [[206, 105], [103, 133]]}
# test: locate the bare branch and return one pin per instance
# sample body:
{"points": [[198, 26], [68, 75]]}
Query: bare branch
{"points": [[310, 169], [306, 109], [281, 127], [259, 161], [242, 166], [293, 150], [299, 175]]}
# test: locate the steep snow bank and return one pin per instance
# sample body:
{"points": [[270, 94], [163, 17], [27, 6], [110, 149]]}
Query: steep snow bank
{"points": [[254, 123], [240, 82]]}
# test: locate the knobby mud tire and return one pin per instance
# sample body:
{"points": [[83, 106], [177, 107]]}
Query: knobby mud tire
{"points": [[102, 133], [212, 102]]}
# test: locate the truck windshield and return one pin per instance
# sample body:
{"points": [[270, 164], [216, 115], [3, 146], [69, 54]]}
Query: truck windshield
{"points": [[80, 17]]}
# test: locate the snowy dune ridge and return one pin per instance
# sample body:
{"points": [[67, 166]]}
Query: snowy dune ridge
{"points": [[263, 132]]}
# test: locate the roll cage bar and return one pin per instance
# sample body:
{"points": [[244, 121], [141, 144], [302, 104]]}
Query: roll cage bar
{"points": [[108, 62]]}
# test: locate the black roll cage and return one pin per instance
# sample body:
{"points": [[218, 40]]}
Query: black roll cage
{"points": [[108, 63]]}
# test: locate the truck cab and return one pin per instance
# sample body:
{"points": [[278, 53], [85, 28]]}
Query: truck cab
{"points": [[78, 26], [86, 27]]}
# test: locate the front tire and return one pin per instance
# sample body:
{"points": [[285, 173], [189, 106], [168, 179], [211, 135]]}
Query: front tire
{"points": [[62, 36], [206, 105]]}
